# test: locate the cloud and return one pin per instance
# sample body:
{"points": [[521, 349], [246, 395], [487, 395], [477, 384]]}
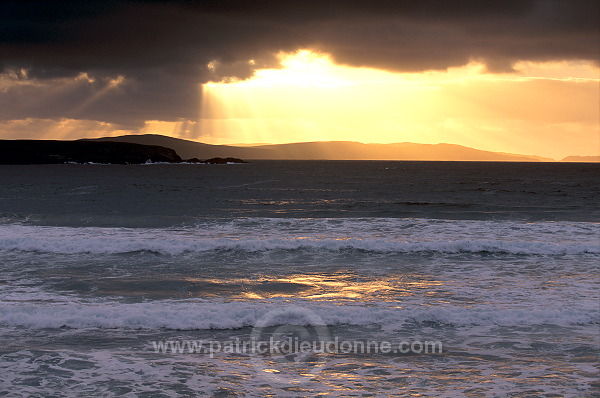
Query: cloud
{"points": [[162, 49]]}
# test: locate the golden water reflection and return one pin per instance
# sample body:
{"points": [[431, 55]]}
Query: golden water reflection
{"points": [[342, 285], [327, 286]]}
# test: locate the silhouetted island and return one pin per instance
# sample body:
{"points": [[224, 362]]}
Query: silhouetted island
{"points": [[56, 152], [223, 161]]}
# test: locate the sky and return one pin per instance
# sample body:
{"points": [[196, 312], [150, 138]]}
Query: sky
{"points": [[516, 76]]}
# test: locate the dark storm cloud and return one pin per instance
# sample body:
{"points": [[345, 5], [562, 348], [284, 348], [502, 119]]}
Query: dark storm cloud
{"points": [[163, 47]]}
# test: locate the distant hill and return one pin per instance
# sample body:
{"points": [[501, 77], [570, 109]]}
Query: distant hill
{"points": [[191, 149], [533, 158], [330, 150], [586, 159], [401, 151], [56, 152]]}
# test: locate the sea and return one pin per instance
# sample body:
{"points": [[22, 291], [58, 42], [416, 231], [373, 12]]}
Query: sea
{"points": [[300, 279]]}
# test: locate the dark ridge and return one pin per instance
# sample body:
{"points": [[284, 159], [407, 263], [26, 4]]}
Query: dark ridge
{"points": [[56, 152]]}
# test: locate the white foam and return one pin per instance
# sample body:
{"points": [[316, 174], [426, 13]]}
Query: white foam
{"points": [[255, 235], [188, 315]]}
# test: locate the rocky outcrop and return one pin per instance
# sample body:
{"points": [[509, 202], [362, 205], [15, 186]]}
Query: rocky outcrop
{"points": [[54, 152], [224, 160]]}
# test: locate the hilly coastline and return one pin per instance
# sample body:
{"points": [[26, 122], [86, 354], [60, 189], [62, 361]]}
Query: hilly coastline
{"points": [[58, 152], [135, 149], [103, 152], [327, 150]]}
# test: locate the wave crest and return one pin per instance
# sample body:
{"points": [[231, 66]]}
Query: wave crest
{"points": [[188, 315]]}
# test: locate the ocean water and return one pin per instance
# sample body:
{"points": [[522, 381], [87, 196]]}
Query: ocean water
{"points": [[171, 280]]}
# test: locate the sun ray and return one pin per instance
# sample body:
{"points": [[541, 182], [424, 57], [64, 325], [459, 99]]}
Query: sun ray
{"points": [[311, 98]]}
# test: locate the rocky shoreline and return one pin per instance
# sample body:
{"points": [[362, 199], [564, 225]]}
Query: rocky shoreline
{"points": [[81, 151]]}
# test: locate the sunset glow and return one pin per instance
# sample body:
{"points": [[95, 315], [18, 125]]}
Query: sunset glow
{"points": [[548, 109], [299, 198]]}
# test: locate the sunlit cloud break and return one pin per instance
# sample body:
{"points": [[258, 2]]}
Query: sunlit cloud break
{"points": [[310, 98]]}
